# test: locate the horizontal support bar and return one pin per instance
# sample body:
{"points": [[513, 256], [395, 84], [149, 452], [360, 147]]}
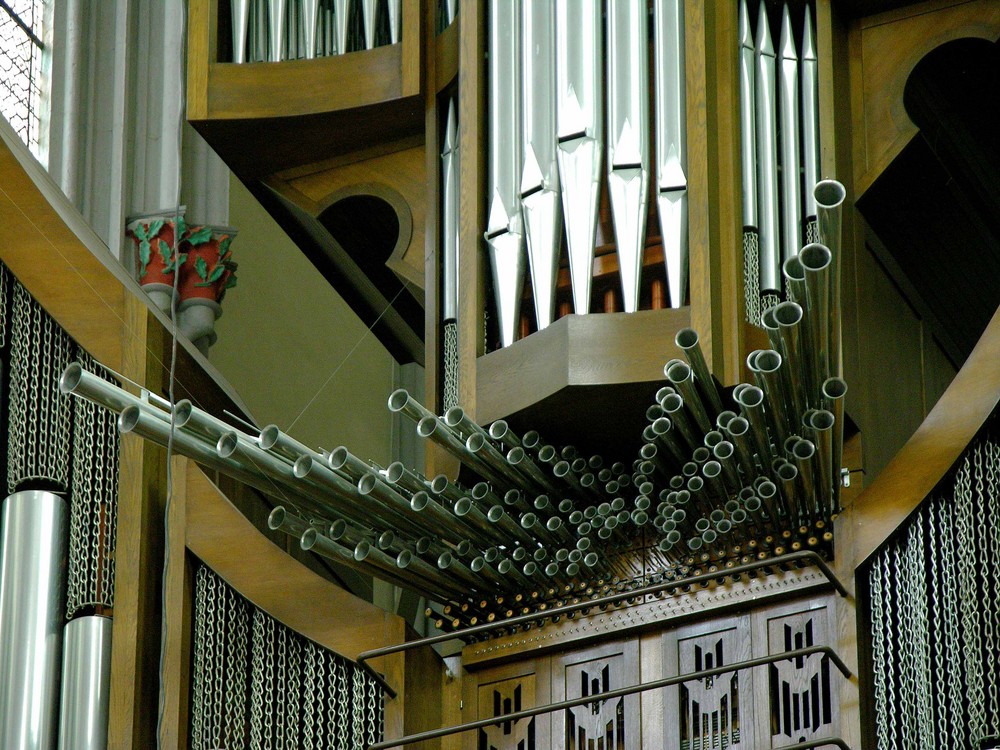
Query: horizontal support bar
{"points": [[617, 693], [656, 588], [823, 742]]}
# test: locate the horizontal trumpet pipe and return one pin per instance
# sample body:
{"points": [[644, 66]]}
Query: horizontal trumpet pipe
{"points": [[78, 382]]}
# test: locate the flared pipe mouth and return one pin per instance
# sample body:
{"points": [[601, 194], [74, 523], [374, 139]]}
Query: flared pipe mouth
{"points": [[768, 360], [678, 372], [276, 518], [422, 545], [182, 411], [498, 429], [815, 257], [269, 436], [738, 427], [71, 377], [787, 472], [822, 419], [475, 441], [686, 338], [464, 547], [751, 397], [337, 529], [829, 194], [723, 450], [308, 539], [444, 560], [398, 399], [713, 438], [515, 455], [128, 419], [793, 270], [767, 490], [725, 417], [338, 457], [439, 484], [403, 559], [701, 454], [712, 469], [463, 507], [419, 501], [367, 483], [477, 564], [547, 454], [804, 449], [394, 472], [495, 513], [696, 484], [362, 550], [834, 388], [386, 539], [227, 445], [303, 466], [426, 426], [788, 314]]}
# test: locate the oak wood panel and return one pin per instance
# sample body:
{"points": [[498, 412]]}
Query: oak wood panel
{"points": [[703, 318], [201, 41], [471, 206], [221, 537], [301, 87], [423, 694], [445, 56], [452, 683], [412, 41], [578, 350], [890, 45], [933, 448]]}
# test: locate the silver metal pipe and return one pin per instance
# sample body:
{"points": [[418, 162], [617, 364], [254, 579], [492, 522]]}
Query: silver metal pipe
{"points": [[738, 431], [504, 233], [78, 382], [765, 102], [497, 515], [809, 79], [517, 458], [724, 453], [805, 458], [671, 143], [446, 562], [401, 401], [281, 519], [422, 504], [531, 522], [32, 598], [274, 440], [680, 375], [834, 393], [433, 428], [395, 8], [443, 488], [505, 474], [368, 8], [456, 419], [410, 567], [397, 473], [540, 193], [795, 280], [467, 510], [277, 10], [816, 262], [673, 405], [481, 567], [314, 478], [748, 124], [240, 12], [628, 138], [199, 422], [341, 17], [310, 23], [822, 423], [788, 107], [688, 341], [449, 217], [86, 684], [341, 531], [501, 432], [580, 129], [773, 370], [794, 347], [669, 438], [751, 401], [393, 507], [830, 196]]}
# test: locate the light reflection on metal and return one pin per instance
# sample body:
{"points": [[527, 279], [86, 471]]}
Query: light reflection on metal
{"points": [[450, 9], [32, 594], [767, 156], [276, 26], [788, 104], [503, 229], [341, 16], [748, 124], [449, 217], [671, 144], [240, 13], [809, 79], [581, 134], [86, 684], [310, 22], [540, 199], [628, 139], [368, 8], [830, 196], [395, 11]]}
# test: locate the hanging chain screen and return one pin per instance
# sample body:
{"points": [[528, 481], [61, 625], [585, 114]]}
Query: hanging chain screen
{"points": [[935, 613], [93, 503], [751, 277], [450, 367], [40, 416], [4, 303], [255, 681]]}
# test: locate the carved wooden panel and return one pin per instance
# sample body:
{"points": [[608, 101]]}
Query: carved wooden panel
{"points": [[603, 724], [715, 712], [802, 701], [504, 691]]}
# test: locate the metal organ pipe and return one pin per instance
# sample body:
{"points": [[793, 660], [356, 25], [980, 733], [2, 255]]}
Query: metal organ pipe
{"points": [[86, 684], [767, 156], [788, 105], [809, 79]]}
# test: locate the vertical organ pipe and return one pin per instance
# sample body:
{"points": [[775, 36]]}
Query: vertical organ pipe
{"points": [[341, 12], [310, 22], [809, 80], [241, 13], [540, 196], [86, 684], [368, 8], [32, 556], [395, 8], [449, 216], [671, 144], [628, 138], [788, 105], [830, 196], [276, 25], [580, 134], [504, 236], [767, 156], [748, 123]]}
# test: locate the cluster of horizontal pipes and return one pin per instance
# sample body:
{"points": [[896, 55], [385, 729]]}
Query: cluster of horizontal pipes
{"points": [[779, 119], [549, 131], [275, 30]]}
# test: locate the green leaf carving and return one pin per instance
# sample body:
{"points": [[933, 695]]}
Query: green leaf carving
{"points": [[216, 273], [144, 253], [201, 267], [165, 253], [224, 244], [154, 228], [200, 236]]}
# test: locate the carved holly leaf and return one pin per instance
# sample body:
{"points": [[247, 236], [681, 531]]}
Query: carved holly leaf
{"points": [[200, 236], [165, 253], [202, 268]]}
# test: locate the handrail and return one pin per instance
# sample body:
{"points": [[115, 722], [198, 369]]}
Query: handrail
{"points": [[588, 603], [620, 692]]}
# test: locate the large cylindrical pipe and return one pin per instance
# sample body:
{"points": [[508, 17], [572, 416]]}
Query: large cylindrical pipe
{"points": [[32, 599], [767, 156], [816, 262], [86, 684], [809, 79], [834, 392], [401, 401], [788, 106], [79, 382], [830, 196], [748, 123], [680, 375], [688, 341], [189, 417], [794, 346]]}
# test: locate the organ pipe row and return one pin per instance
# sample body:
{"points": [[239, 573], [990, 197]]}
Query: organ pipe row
{"points": [[720, 475], [779, 119], [547, 145], [275, 30]]}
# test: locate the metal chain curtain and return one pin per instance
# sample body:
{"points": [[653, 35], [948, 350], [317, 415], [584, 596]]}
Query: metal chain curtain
{"points": [[255, 681], [93, 503], [935, 616]]}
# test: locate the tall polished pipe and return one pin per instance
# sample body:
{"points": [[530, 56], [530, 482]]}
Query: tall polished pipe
{"points": [[795, 279], [397, 473], [805, 459], [443, 488], [281, 519], [423, 575], [341, 17], [32, 595], [816, 262], [393, 507], [748, 123], [509, 526], [446, 562], [580, 130], [433, 428], [540, 194], [688, 341], [401, 401], [459, 422], [671, 143], [368, 10], [189, 417], [470, 514], [673, 404], [830, 196], [773, 371], [78, 382], [395, 8], [788, 107], [751, 401], [795, 349], [502, 433], [680, 375], [501, 471], [421, 503], [341, 531], [739, 433], [277, 15], [834, 392], [240, 13], [628, 138], [822, 424], [765, 102], [504, 234], [809, 79], [86, 683], [449, 217], [317, 479]]}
